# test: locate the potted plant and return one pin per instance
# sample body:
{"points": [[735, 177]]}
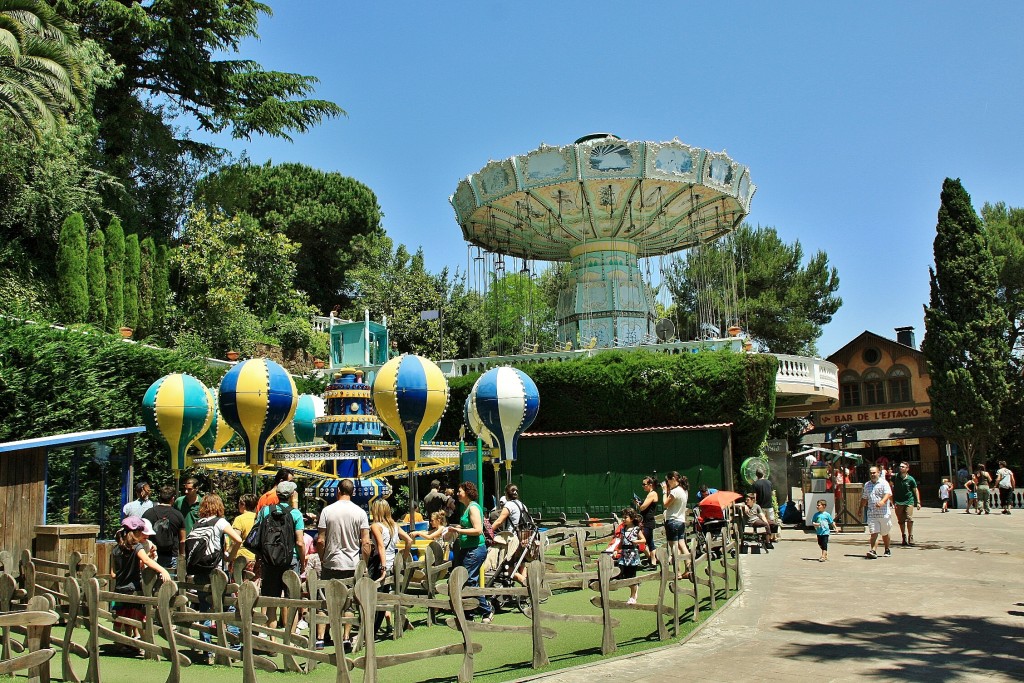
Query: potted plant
{"points": [[318, 364], [126, 332], [232, 356], [734, 330]]}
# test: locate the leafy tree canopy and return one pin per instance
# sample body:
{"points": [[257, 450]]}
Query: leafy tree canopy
{"points": [[755, 280], [232, 274], [321, 212], [167, 50]]}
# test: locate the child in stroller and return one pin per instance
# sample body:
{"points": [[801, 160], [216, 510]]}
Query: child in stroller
{"points": [[511, 570]]}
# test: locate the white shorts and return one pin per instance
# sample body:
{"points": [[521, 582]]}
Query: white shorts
{"points": [[880, 525]]}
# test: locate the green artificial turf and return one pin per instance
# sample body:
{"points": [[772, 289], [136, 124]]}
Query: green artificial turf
{"points": [[505, 656]]}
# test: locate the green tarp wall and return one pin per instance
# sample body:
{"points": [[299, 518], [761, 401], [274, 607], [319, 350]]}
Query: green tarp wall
{"points": [[597, 474]]}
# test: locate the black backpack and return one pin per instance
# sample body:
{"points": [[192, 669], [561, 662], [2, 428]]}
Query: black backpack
{"points": [[204, 551], [526, 521], [276, 538], [164, 537]]}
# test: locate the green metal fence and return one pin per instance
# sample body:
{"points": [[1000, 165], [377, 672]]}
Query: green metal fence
{"points": [[597, 474]]}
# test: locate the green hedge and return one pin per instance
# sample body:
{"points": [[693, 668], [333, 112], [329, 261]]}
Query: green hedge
{"points": [[623, 389], [56, 381]]}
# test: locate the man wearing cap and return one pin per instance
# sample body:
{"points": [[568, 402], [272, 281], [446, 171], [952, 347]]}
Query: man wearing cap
{"points": [[137, 507], [271, 497], [272, 577], [906, 496]]}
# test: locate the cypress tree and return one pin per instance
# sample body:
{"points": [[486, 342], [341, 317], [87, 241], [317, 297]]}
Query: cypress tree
{"points": [[72, 283], [965, 343], [161, 287], [131, 281], [147, 264], [97, 277], [115, 275]]}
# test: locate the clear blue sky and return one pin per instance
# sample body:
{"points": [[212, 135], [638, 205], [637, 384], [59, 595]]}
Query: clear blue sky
{"points": [[849, 115]]}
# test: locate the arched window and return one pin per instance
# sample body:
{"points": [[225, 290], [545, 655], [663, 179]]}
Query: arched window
{"points": [[898, 380], [874, 387], [849, 384]]}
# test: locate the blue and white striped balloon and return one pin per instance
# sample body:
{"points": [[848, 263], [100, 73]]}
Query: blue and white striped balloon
{"points": [[507, 402], [473, 420]]}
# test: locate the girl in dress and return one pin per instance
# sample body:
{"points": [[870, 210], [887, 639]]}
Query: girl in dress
{"points": [[629, 557]]}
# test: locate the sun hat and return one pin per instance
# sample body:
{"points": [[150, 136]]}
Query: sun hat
{"points": [[134, 523]]}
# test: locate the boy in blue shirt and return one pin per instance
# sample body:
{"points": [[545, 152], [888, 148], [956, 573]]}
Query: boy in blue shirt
{"points": [[822, 522]]}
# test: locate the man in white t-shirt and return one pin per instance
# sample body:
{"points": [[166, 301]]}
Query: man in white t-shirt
{"points": [[343, 538], [875, 502]]}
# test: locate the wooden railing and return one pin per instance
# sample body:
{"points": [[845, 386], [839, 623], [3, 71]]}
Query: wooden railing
{"points": [[34, 594]]}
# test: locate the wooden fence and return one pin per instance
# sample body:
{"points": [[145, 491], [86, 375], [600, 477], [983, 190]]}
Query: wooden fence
{"points": [[35, 594]]}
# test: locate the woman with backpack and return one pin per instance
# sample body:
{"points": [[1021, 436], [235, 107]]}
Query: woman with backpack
{"points": [[384, 533], [516, 519], [472, 550], [204, 546]]}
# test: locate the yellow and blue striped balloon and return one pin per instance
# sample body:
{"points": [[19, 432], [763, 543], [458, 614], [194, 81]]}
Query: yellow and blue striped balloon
{"points": [[217, 436], [258, 398], [177, 408], [410, 394]]}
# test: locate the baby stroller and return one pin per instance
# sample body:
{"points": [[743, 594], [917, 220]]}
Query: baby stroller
{"points": [[709, 520], [509, 564]]}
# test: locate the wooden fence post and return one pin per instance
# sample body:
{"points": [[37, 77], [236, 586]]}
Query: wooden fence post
{"points": [[218, 586], [336, 594], [167, 596], [456, 580], [605, 572], [366, 596], [534, 574], [247, 597]]}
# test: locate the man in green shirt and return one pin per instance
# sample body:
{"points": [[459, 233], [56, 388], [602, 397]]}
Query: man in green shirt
{"points": [[188, 504], [906, 497]]}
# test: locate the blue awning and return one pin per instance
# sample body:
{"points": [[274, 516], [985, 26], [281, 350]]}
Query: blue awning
{"points": [[69, 440]]}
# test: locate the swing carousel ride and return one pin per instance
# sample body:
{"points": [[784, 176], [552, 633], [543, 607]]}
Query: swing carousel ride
{"points": [[602, 204]]}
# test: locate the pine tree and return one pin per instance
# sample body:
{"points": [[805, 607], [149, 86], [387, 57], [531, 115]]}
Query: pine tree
{"points": [[115, 275], [97, 278], [161, 287], [131, 281], [147, 266], [964, 343], [72, 284]]}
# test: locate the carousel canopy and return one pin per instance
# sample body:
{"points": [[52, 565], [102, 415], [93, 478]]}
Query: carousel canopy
{"points": [[659, 196]]}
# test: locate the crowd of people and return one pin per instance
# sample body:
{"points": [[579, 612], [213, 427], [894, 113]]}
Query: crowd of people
{"points": [[273, 536]]}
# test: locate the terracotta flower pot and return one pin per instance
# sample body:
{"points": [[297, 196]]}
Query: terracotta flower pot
{"points": [[232, 355], [126, 332], [735, 330], [318, 364]]}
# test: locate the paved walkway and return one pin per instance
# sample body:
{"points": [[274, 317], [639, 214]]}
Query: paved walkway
{"points": [[951, 608]]}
